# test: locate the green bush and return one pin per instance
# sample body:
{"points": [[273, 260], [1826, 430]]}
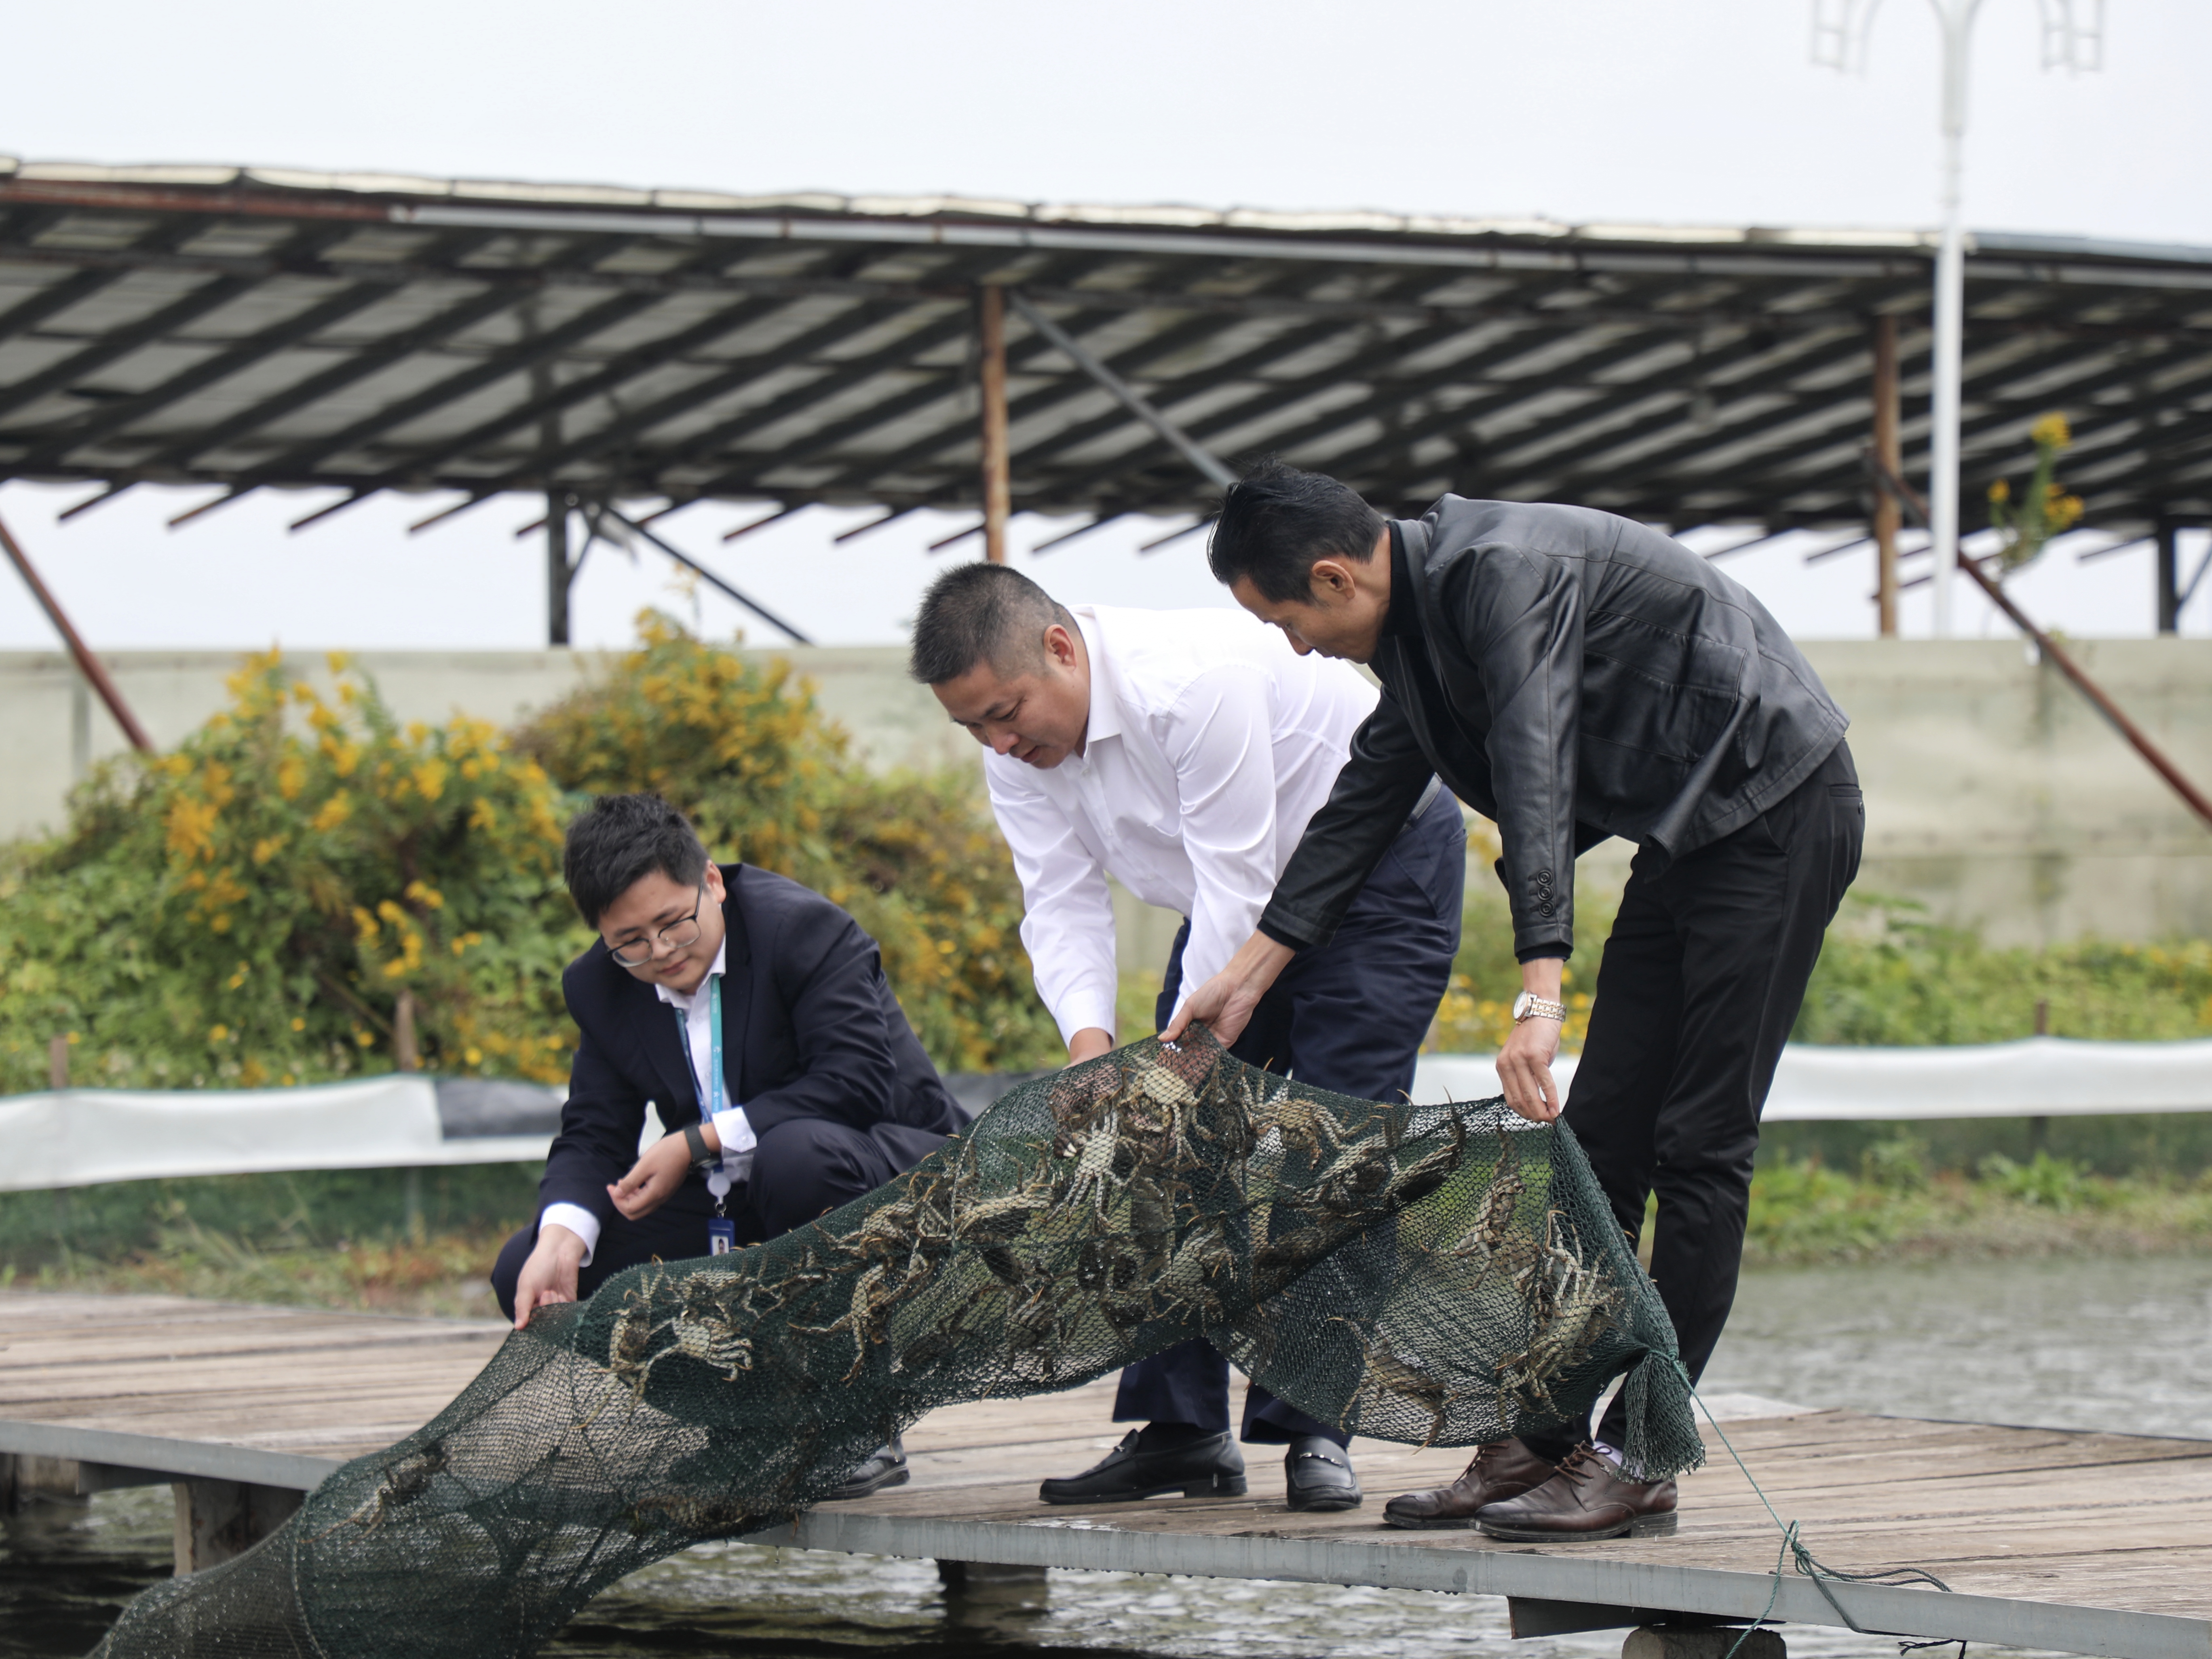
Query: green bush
{"points": [[1889, 976], [251, 908], [915, 858]]}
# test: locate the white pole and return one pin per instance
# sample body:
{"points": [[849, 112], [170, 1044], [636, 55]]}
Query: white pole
{"points": [[1957, 17]]}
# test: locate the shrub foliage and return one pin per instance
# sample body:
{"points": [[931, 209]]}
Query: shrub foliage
{"points": [[248, 908]]}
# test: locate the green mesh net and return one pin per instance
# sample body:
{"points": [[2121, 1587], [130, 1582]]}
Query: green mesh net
{"points": [[1441, 1275]]}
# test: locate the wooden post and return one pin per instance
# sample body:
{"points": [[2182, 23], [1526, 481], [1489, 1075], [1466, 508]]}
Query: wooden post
{"points": [[1888, 450], [57, 1063], [557, 572], [218, 1521], [404, 1056], [998, 484]]}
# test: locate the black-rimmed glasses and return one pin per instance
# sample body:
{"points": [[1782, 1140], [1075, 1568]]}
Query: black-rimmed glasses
{"points": [[677, 935]]}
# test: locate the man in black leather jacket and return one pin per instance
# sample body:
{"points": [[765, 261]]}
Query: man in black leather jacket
{"points": [[1574, 676]]}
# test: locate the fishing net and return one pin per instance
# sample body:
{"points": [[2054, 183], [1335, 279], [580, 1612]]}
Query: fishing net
{"points": [[1442, 1275]]}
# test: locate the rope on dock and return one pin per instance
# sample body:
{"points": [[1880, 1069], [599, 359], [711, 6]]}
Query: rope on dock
{"points": [[1794, 1551]]}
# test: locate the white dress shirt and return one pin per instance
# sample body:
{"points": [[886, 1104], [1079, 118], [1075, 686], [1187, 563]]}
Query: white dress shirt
{"points": [[731, 1126], [1211, 742]]}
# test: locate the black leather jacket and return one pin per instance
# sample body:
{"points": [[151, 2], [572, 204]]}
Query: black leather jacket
{"points": [[1572, 676]]}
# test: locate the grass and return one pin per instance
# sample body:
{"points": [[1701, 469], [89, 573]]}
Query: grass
{"points": [[442, 1274], [1895, 1207]]}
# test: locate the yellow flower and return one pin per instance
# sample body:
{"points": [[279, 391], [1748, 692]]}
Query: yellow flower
{"points": [[2050, 432], [299, 1025], [267, 849], [333, 812], [423, 893], [2000, 492], [291, 775], [474, 1056], [430, 779], [218, 1034]]}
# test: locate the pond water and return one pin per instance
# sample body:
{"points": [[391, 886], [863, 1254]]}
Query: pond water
{"points": [[2115, 1345]]}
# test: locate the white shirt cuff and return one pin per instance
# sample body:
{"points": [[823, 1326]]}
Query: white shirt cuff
{"points": [[577, 1220], [1085, 1012], [735, 1132]]}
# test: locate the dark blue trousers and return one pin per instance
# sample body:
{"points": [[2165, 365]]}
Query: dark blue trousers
{"points": [[802, 1168], [1348, 1016]]}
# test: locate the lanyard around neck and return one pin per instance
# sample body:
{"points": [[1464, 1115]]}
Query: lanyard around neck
{"points": [[713, 1092]]}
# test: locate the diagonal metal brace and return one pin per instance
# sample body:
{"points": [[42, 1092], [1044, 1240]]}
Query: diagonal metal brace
{"points": [[1130, 398], [595, 510]]}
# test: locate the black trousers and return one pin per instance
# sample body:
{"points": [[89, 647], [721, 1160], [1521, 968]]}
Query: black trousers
{"points": [[1701, 980], [802, 1168], [1349, 1016]]}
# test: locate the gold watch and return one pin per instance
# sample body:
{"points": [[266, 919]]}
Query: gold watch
{"points": [[1529, 1006]]}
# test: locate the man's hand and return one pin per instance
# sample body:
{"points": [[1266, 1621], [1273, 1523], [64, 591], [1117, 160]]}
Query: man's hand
{"points": [[653, 1179], [550, 1273], [1226, 1002], [1088, 1043], [1524, 1064]]}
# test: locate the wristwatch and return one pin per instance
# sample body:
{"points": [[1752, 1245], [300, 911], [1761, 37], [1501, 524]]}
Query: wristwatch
{"points": [[1529, 1006], [700, 1157]]}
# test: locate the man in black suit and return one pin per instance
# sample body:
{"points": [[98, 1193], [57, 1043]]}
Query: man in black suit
{"points": [[1573, 676], [754, 1014]]}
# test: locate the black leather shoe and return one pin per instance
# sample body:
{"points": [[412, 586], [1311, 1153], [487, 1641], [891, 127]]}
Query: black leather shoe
{"points": [[1317, 1475], [884, 1466], [1207, 1467]]}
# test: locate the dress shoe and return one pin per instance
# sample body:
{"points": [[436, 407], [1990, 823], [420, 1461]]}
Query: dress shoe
{"points": [[884, 1466], [1502, 1469], [1588, 1498], [1317, 1475], [1207, 1466]]}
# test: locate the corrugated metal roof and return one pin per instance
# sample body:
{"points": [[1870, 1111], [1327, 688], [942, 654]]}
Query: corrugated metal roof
{"points": [[251, 327]]}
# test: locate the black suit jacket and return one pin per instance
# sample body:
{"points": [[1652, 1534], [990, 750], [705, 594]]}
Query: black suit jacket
{"points": [[1572, 676], [810, 1030]]}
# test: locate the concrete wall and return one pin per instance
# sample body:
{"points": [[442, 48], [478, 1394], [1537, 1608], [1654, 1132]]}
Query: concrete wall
{"points": [[1994, 794]]}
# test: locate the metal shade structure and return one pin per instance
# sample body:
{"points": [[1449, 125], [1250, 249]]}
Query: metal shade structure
{"points": [[248, 329]]}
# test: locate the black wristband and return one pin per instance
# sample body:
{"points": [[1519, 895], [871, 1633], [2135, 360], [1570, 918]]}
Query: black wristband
{"points": [[700, 1157]]}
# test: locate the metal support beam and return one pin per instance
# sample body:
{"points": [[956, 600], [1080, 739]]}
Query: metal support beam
{"points": [[1130, 398], [2060, 658], [991, 377], [90, 666], [1889, 451], [2168, 563], [559, 573], [604, 510]]}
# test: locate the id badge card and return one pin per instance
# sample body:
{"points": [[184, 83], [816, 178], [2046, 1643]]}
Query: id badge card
{"points": [[721, 1235]]}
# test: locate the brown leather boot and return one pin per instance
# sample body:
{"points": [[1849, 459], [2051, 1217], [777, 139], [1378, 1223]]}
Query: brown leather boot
{"points": [[1502, 1469], [1586, 1498]]}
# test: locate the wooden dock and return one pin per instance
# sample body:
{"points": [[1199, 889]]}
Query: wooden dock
{"points": [[2085, 1543]]}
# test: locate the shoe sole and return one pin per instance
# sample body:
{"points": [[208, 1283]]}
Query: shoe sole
{"points": [[1414, 1523], [1325, 1506], [897, 1477], [1221, 1485], [1642, 1526]]}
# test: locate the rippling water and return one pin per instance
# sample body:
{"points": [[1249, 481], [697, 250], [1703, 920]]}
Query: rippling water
{"points": [[2110, 1345]]}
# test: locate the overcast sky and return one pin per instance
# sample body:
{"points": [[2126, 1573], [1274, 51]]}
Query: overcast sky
{"points": [[1700, 112]]}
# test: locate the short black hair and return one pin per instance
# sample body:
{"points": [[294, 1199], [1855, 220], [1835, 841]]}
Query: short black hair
{"points": [[979, 612], [1276, 520], [619, 839]]}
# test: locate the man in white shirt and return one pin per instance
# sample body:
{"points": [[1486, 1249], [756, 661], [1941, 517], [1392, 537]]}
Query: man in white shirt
{"points": [[1183, 752]]}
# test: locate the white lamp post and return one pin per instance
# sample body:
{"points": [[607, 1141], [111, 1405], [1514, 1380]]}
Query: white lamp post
{"points": [[2073, 38]]}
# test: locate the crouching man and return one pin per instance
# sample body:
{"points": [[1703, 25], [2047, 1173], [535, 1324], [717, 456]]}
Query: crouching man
{"points": [[754, 1014], [1182, 752]]}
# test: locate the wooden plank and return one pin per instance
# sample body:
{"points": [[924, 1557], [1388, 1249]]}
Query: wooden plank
{"points": [[2085, 1522]]}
